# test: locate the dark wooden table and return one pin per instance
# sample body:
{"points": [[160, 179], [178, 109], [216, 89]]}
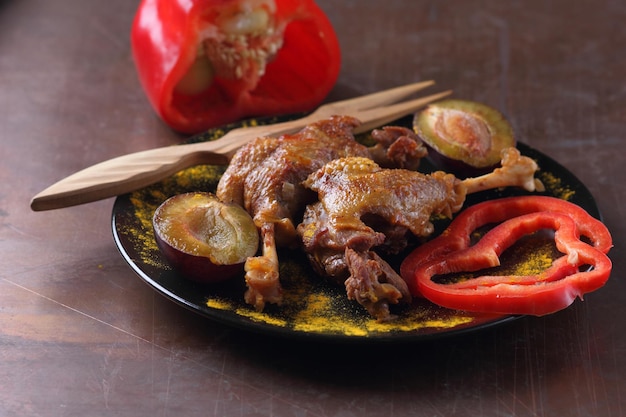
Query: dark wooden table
{"points": [[82, 335]]}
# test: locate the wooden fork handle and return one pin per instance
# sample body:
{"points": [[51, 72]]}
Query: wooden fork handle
{"points": [[125, 174]]}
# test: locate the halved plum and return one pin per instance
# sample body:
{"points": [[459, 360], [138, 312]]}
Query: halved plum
{"points": [[203, 238], [464, 137]]}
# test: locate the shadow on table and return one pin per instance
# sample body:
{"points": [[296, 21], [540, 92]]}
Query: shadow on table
{"points": [[502, 350]]}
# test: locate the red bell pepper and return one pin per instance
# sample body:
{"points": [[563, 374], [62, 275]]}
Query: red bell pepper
{"points": [[204, 63], [583, 268]]}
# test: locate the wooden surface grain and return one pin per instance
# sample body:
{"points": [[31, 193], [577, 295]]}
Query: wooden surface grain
{"points": [[81, 335]]}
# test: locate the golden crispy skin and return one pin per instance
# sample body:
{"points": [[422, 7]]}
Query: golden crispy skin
{"points": [[363, 206], [349, 189], [265, 176]]}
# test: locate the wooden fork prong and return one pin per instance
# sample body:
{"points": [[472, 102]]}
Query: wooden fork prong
{"points": [[382, 98], [376, 117], [349, 106]]}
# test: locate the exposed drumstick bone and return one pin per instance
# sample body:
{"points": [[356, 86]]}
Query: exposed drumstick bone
{"points": [[516, 171]]}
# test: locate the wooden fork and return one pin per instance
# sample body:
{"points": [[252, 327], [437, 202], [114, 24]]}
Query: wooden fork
{"points": [[137, 170]]}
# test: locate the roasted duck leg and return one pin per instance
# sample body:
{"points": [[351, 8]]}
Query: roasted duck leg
{"points": [[265, 178], [363, 207]]}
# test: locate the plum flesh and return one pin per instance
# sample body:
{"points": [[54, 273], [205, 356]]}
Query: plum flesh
{"points": [[203, 238], [464, 137]]}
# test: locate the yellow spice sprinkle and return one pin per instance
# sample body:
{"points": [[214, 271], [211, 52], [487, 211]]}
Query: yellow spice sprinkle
{"points": [[409, 324], [320, 316], [536, 262], [555, 186], [261, 317], [219, 304]]}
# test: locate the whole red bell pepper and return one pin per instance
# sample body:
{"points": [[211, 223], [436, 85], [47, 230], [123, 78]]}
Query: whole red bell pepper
{"points": [[204, 63], [584, 266]]}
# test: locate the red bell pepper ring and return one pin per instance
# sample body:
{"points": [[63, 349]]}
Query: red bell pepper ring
{"points": [[204, 63], [538, 294]]}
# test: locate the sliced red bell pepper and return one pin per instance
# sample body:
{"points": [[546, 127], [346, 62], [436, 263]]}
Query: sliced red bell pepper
{"points": [[204, 63], [583, 268]]}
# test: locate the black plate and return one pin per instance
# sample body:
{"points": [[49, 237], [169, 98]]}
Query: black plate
{"points": [[312, 308]]}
